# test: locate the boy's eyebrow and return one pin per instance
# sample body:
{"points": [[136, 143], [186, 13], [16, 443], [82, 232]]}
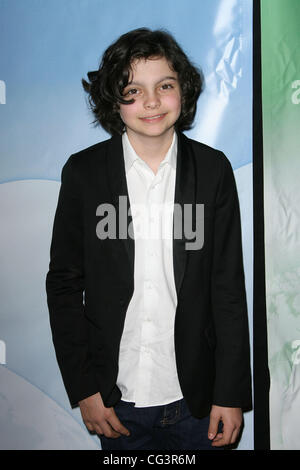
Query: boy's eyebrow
{"points": [[161, 80]]}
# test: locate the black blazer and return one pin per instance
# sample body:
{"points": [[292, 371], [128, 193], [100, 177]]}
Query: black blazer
{"points": [[90, 281]]}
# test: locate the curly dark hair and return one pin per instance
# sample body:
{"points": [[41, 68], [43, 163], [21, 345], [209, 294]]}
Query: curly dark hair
{"points": [[106, 85]]}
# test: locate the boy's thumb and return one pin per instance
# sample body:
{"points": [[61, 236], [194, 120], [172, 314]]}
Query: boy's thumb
{"points": [[213, 427]]}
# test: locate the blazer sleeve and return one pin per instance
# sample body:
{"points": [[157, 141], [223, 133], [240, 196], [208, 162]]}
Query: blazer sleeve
{"points": [[228, 297], [65, 289]]}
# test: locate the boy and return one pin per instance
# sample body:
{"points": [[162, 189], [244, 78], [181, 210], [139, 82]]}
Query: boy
{"points": [[156, 353]]}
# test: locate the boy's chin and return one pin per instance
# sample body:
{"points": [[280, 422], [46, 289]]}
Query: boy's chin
{"points": [[152, 132]]}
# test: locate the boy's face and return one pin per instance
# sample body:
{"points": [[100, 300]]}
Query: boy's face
{"points": [[155, 88]]}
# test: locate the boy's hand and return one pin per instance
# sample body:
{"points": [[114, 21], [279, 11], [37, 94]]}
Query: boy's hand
{"points": [[100, 419], [232, 419]]}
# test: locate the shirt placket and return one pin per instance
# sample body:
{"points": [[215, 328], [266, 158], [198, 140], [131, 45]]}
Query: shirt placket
{"points": [[151, 298]]}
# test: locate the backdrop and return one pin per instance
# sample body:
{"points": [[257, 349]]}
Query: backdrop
{"points": [[281, 118], [47, 46]]}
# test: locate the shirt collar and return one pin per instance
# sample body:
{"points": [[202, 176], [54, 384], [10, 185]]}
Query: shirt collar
{"points": [[130, 156]]}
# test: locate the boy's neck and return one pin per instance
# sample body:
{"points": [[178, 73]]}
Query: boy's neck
{"points": [[151, 149]]}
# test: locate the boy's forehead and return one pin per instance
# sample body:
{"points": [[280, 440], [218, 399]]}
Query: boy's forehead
{"points": [[155, 65]]}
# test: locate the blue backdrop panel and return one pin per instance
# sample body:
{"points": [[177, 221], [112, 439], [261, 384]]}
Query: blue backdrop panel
{"points": [[46, 47]]}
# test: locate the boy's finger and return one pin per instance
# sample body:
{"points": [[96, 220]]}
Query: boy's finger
{"points": [[225, 438], [117, 425], [235, 435], [218, 437]]}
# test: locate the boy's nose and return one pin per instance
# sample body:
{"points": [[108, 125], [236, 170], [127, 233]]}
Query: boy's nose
{"points": [[152, 101]]}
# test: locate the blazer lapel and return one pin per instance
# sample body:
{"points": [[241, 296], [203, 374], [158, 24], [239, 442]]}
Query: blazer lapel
{"points": [[185, 193], [117, 181]]}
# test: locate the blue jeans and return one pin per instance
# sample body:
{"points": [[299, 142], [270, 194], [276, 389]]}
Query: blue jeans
{"points": [[164, 427]]}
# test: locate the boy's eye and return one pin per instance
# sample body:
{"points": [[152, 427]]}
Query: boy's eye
{"points": [[132, 91], [166, 86]]}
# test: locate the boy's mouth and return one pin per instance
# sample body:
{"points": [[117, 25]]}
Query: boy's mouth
{"points": [[155, 118]]}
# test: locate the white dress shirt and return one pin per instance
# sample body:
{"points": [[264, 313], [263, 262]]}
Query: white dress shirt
{"points": [[147, 368]]}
